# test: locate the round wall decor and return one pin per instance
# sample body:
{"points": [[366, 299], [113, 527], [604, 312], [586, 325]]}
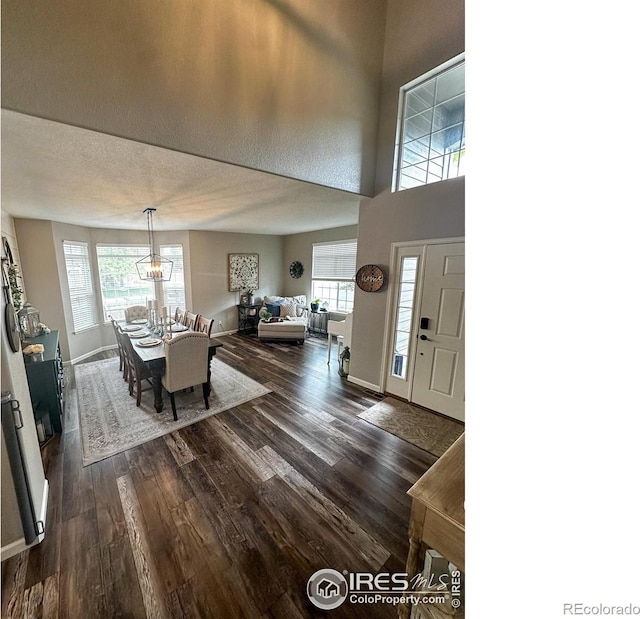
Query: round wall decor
{"points": [[296, 269], [370, 278]]}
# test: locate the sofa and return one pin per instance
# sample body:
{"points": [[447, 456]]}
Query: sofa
{"points": [[291, 314]]}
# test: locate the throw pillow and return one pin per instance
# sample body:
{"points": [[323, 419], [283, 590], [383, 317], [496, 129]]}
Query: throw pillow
{"points": [[274, 308], [288, 309]]}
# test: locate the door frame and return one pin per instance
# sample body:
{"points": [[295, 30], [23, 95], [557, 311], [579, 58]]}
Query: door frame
{"points": [[389, 330]]}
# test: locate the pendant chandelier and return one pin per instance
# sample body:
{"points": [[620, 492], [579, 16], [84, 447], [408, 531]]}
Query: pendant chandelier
{"points": [[153, 268]]}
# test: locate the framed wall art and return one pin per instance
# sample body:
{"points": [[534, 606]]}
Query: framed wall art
{"points": [[243, 272]]}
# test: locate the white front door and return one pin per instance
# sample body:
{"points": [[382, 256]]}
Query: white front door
{"points": [[438, 372]]}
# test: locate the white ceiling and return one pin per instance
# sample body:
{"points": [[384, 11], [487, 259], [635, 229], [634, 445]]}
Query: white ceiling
{"points": [[72, 175]]}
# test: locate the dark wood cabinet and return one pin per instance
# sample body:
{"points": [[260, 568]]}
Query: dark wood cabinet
{"points": [[46, 382]]}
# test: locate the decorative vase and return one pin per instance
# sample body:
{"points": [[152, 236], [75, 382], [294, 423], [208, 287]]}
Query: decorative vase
{"points": [[314, 307]]}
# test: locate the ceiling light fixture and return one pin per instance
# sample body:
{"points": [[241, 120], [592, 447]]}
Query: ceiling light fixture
{"points": [[153, 268]]}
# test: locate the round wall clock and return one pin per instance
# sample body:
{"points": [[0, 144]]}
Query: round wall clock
{"points": [[370, 278], [296, 269]]}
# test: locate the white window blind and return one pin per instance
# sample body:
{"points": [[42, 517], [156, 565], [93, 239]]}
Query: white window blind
{"points": [[83, 302], [332, 273], [335, 260]]}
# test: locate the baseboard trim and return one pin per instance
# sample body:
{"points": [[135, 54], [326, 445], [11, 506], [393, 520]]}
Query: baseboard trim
{"points": [[224, 333], [89, 354], [363, 383]]}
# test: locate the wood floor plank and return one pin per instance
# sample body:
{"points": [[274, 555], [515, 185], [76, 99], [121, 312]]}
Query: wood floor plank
{"points": [[179, 449], [120, 464], [162, 541], [168, 475], [111, 523], [216, 588], [51, 597], [123, 596], [77, 488], [14, 571], [32, 603], [148, 578], [81, 592]]}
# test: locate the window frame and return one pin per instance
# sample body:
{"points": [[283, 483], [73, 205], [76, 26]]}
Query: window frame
{"points": [[156, 289], [400, 126], [343, 304], [89, 294]]}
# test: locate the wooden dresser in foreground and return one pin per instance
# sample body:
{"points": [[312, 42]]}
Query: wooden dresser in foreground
{"points": [[437, 522]]}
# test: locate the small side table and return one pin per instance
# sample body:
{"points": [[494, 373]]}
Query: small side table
{"points": [[318, 322], [248, 318]]}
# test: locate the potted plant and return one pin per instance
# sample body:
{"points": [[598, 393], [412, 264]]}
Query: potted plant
{"points": [[315, 304]]}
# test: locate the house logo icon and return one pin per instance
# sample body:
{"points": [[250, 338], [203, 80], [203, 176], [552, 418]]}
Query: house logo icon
{"points": [[327, 589]]}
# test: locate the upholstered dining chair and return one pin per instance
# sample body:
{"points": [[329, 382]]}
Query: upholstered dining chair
{"points": [[135, 312], [138, 371], [204, 325], [190, 320], [187, 359]]}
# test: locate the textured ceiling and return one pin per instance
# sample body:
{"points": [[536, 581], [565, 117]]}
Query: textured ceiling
{"points": [[63, 173]]}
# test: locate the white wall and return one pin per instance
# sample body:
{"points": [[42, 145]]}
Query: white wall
{"points": [[210, 272], [14, 379], [250, 82]]}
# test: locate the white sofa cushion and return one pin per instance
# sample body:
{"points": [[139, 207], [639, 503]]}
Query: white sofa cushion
{"points": [[288, 310]]}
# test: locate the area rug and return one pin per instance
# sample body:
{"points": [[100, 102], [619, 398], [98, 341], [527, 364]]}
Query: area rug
{"points": [[418, 426], [110, 421]]}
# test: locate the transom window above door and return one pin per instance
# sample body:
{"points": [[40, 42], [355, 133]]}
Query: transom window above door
{"points": [[430, 138]]}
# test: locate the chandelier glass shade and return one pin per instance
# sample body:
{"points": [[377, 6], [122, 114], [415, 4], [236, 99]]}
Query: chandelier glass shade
{"points": [[154, 267]]}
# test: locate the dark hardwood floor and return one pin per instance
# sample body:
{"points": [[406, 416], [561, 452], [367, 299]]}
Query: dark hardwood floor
{"points": [[228, 517]]}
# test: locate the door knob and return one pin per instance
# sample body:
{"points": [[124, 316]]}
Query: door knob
{"points": [[423, 337]]}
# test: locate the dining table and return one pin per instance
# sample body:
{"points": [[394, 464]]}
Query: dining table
{"points": [[153, 356]]}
